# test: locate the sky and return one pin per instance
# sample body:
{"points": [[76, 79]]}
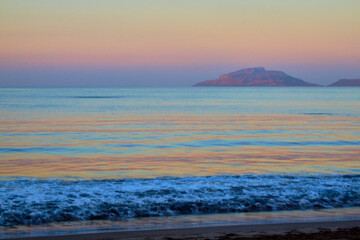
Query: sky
{"points": [[134, 43]]}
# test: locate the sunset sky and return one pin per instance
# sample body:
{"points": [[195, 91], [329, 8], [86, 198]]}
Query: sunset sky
{"points": [[174, 43]]}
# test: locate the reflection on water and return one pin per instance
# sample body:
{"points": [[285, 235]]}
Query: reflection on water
{"points": [[177, 145]]}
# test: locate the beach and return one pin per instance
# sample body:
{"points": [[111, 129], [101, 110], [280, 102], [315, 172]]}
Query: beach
{"points": [[303, 230]]}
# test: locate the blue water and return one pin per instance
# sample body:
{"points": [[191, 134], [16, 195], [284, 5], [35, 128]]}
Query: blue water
{"points": [[195, 100], [79, 154]]}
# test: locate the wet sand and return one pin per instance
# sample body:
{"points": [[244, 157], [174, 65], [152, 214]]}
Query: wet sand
{"points": [[300, 230]]}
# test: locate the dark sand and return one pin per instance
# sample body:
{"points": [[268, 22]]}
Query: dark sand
{"points": [[304, 230]]}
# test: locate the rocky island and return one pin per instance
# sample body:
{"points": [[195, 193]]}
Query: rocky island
{"points": [[346, 83], [256, 77]]}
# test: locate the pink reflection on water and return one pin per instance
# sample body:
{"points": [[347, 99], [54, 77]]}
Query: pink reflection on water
{"points": [[150, 146]]}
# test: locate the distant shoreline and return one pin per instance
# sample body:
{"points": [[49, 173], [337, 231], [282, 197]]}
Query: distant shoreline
{"points": [[260, 77], [320, 86], [164, 87]]}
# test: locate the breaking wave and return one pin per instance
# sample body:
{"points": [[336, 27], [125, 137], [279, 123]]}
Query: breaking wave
{"points": [[36, 201]]}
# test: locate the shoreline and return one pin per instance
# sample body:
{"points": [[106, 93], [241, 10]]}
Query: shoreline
{"points": [[218, 232]]}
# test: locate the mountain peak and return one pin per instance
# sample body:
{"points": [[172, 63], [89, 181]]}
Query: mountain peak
{"points": [[257, 76], [251, 70]]}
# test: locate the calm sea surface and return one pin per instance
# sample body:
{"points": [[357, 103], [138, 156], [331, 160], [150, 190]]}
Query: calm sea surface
{"points": [[70, 154]]}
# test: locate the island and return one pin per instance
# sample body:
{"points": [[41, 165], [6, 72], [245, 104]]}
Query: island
{"points": [[256, 77], [346, 83]]}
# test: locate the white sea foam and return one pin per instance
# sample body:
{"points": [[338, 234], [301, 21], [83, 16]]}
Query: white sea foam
{"points": [[36, 201]]}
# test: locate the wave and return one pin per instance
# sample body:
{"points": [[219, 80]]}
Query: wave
{"points": [[37, 201], [320, 113], [97, 97], [118, 148]]}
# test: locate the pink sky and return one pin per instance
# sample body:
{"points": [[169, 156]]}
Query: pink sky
{"points": [[295, 36]]}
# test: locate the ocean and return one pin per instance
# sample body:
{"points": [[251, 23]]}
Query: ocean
{"points": [[124, 157]]}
